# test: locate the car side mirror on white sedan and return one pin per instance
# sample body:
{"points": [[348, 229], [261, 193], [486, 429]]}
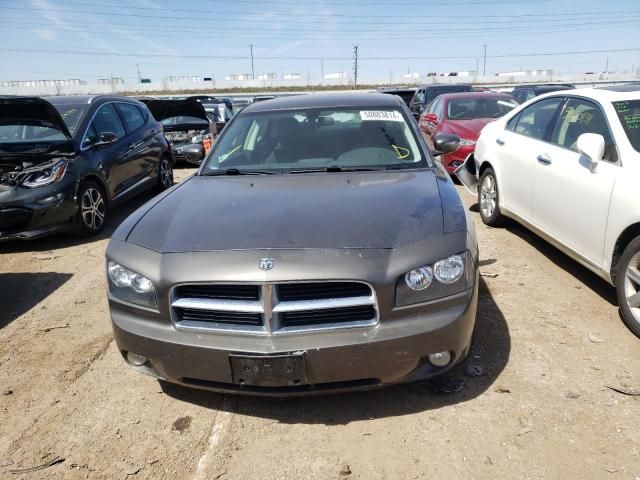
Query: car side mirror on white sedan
{"points": [[591, 145]]}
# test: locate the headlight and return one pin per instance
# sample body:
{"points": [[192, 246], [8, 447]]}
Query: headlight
{"points": [[197, 139], [419, 278], [467, 143], [449, 270], [47, 175], [130, 286], [443, 278]]}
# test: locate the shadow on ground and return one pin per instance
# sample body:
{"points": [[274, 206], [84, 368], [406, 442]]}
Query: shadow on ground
{"points": [[565, 262], [491, 349], [19, 292]]}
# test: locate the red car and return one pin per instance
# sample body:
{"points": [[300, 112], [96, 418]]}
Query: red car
{"points": [[463, 114]]}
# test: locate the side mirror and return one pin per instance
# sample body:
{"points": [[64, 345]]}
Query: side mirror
{"points": [[194, 153], [591, 146], [445, 143], [106, 138], [431, 118]]}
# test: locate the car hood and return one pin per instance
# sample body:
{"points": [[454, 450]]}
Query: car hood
{"points": [[36, 112], [323, 211], [469, 129], [163, 109]]}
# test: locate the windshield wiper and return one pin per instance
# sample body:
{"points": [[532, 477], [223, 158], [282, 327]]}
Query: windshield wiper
{"points": [[333, 168], [235, 171]]}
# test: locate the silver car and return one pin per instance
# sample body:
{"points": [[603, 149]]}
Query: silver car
{"points": [[318, 248]]}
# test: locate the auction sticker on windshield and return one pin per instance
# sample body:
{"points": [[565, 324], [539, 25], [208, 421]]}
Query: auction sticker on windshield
{"points": [[388, 115]]}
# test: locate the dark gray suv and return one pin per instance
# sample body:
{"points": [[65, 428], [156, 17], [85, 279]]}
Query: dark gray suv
{"points": [[319, 247]]}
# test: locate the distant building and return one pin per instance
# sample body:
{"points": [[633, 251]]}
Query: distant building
{"points": [[335, 76], [268, 76], [43, 83], [239, 76], [292, 76], [523, 73], [411, 75], [111, 81]]}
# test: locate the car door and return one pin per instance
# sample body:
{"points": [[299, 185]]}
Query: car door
{"points": [[111, 159], [570, 201], [514, 149], [143, 160]]}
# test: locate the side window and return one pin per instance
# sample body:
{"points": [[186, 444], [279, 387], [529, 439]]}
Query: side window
{"points": [[420, 97], [107, 119], [536, 120], [90, 138], [511, 124], [524, 94], [439, 109], [131, 115], [582, 116]]}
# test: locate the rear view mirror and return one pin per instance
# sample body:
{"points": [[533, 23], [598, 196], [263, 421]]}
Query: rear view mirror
{"points": [[194, 153], [591, 146], [445, 143], [106, 138]]}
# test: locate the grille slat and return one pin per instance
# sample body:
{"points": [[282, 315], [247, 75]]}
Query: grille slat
{"points": [[216, 316], [317, 291], [223, 292], [333, 315]]}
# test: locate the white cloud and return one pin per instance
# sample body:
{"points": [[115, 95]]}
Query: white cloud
{"points": [[46, 34]]}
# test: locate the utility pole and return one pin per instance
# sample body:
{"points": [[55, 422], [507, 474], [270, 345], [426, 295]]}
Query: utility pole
{"points": [[253, 75], [606, 69], [321, 70], [476, 67], [484, 62], [139, 77], [355, 67]]}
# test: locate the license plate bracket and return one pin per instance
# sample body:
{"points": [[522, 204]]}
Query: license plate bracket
{"points": [[268, 371]]}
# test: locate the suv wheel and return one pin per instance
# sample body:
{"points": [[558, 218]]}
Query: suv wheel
{"points": [[91, 208], [488, 200], [165, 174], [628, 286]]}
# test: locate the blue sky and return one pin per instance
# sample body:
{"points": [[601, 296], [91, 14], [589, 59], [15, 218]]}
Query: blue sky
{"points": [[50, 39]]}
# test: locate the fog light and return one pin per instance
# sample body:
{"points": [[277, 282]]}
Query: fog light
{"points": [[440, 359], [139, 360]]}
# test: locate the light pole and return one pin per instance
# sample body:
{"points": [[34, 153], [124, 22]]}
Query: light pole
{"points": [[484, 61], [253, 76]]}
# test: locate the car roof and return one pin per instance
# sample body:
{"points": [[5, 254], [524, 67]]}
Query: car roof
{"points": [[447, 85], [326, 100], [544, 86], [87, 99], [626, 87], [600, 94], [482, 94]]}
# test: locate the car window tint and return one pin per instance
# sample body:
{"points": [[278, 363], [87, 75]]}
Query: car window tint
{"points": [[511, 124], [420, 97], [582, 116], [131, 115], [439, 109], [90, 138], [535, 120], [106, 119]]}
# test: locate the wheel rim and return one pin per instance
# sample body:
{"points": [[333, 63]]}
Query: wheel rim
{"points": [[488, 194], [632, 286], [93, 208], [166, 173]]}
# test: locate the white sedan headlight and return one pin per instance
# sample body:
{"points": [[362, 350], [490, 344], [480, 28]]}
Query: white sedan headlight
{"points": [[130, 286]]}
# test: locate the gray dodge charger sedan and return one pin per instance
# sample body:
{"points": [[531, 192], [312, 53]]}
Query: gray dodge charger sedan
{"points": [[319, 248]]}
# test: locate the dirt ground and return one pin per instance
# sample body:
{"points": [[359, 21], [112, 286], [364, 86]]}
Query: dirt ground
{"points": [[549, 349]]}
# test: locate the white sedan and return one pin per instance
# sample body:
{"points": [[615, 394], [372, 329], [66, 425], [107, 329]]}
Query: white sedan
{"points": [[567, 166]]}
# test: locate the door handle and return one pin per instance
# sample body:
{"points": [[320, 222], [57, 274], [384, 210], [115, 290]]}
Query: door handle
{"points": [[132, 146], [544, 159], [499, 141]]}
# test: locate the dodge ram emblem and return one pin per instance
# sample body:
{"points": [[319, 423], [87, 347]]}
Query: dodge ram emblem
{"points": [[266, 263]]}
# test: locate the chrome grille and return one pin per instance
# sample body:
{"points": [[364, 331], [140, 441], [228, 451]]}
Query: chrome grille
{"points": [[273, 308]]}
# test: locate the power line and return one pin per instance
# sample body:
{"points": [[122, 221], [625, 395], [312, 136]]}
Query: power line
{"points": [[238, 57]]}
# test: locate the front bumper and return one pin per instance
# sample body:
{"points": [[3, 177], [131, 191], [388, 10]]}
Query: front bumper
{"points": [[342, 359], [453, 161], [31, 213]]}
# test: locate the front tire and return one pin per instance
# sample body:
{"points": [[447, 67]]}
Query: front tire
{"points": [[628, 286], [165, 174], [92, 209], [488, 200]]}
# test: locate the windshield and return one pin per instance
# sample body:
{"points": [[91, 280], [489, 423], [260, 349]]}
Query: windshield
{"points": [[71, 114], [471, 108], [317, 139], [183, 120], [629, 115]]}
